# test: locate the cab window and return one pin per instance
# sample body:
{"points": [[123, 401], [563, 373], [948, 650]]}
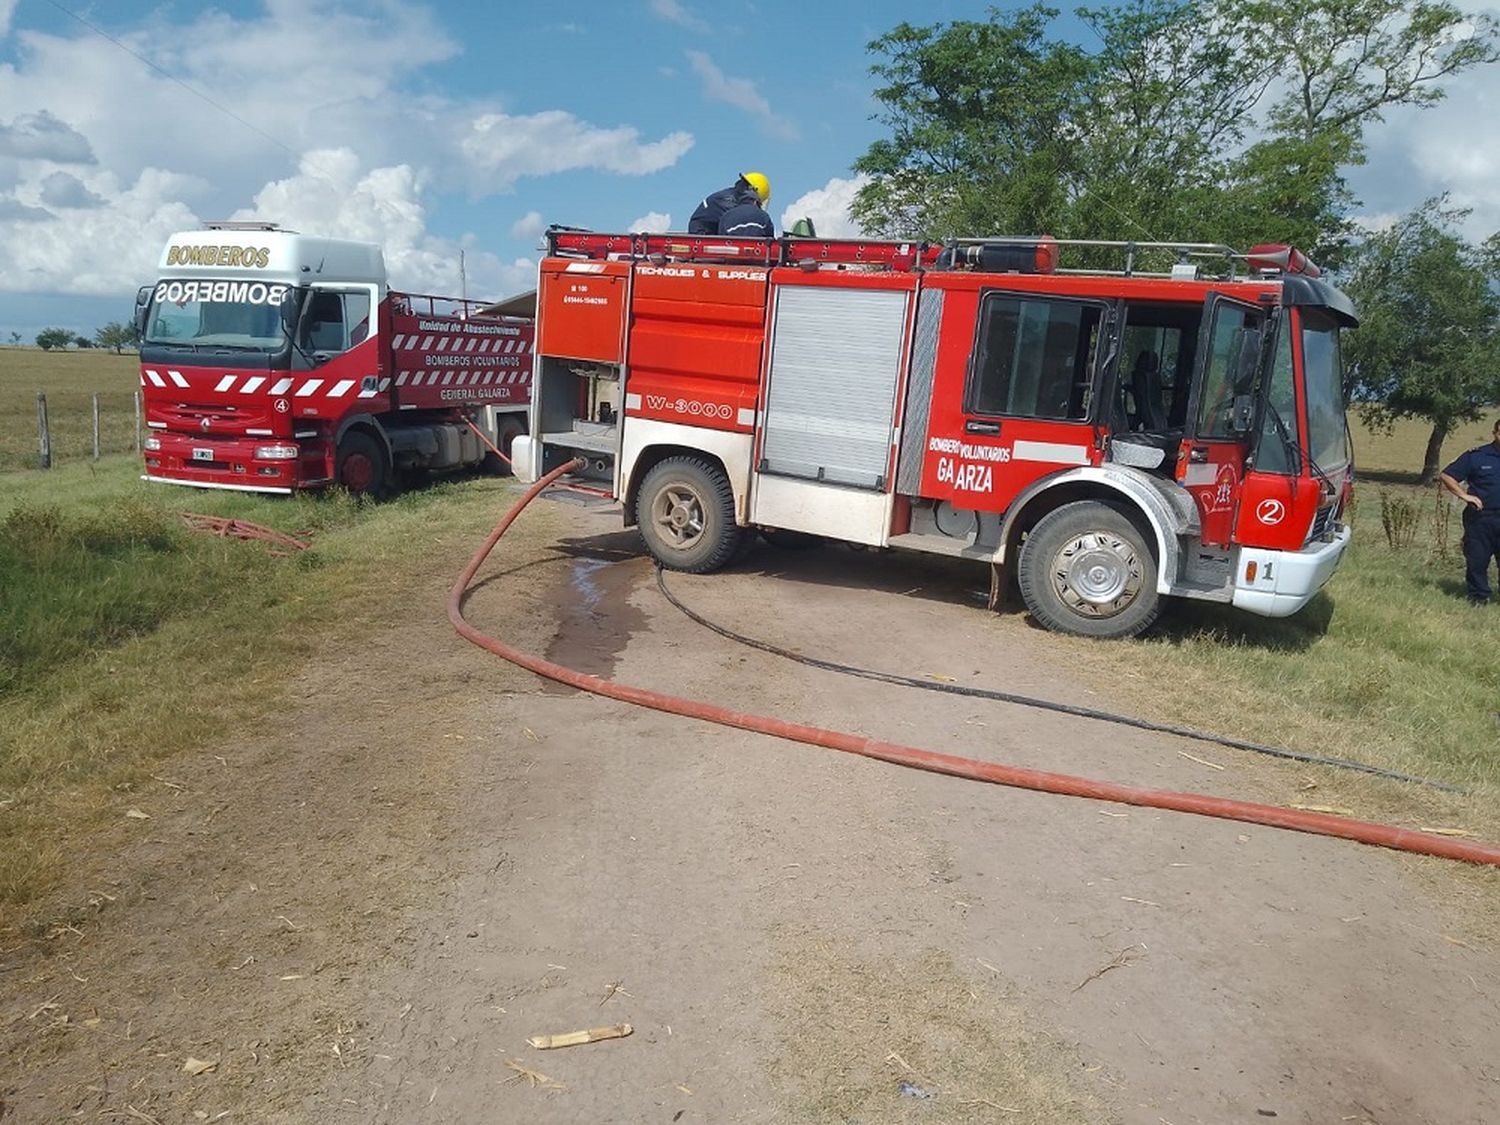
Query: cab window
{"points": [[335, 322], [1034, 358], [1232, 324]]}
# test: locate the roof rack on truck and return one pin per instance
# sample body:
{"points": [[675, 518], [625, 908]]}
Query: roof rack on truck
{"points": [[999, 253]]}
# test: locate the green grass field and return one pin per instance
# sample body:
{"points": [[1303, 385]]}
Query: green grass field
{"points": [[129, 638], [69, 380]]}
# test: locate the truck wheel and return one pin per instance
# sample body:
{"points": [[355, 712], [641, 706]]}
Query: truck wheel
{"points": [[360, 465], [506, 432], [685, 510], [1086, 569]]}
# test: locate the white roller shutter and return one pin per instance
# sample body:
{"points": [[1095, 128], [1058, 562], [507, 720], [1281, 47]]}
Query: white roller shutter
{"points": [[830, 403]]}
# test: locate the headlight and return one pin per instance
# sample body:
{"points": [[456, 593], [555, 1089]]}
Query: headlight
{"points": [[276, 452], [153, 444]]}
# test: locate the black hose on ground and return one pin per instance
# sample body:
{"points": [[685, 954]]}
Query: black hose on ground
{"points": [[1044, 704]]}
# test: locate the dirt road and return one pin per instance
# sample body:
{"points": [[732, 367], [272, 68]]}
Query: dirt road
{"points": [[363, 915]]}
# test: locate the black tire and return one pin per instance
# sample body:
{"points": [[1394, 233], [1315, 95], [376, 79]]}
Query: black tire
{"points": [[507, 429], [361, 465], [685, 510], [1086, 569]]}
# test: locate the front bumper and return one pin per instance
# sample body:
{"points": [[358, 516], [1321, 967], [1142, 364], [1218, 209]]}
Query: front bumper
{"points": [[230, 463], [1285, 581]]}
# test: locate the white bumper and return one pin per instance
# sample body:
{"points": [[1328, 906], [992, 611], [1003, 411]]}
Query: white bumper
{"points": [[1285, 581]]}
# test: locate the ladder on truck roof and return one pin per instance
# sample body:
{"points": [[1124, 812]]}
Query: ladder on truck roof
{"points": [[809, 253], [786, 251]]}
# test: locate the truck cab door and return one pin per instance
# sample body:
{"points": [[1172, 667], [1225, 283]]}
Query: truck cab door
{"points": [[1221, 413], [1025, 405]]}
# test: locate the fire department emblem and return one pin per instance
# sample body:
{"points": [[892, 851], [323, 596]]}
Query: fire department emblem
{"points": [[1270, 511], [203, 425], [282, 406]]}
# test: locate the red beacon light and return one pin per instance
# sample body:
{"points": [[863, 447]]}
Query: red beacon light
{"points": [[1282, 258], [1038, 256]]}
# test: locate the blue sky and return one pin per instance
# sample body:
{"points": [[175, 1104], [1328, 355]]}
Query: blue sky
{"points": [[433, 127]]}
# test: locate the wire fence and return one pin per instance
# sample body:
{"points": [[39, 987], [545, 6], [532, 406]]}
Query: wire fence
{"points": [[70, 425]]}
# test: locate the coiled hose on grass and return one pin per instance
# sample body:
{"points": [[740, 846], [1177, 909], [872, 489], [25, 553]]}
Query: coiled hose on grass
{"points": [[971, 769]]}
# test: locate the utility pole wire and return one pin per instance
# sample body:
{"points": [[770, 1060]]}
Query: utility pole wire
{"points": [[170, 77]]}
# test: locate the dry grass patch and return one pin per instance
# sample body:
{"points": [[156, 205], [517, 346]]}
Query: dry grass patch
{"points": [[870, 1036], [69, 380]]}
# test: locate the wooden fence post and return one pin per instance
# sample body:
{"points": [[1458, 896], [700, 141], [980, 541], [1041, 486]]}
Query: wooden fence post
{"points": [[44, 438], [96, 427], [137, 421]]}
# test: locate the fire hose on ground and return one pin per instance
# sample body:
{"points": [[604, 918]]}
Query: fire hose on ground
{"points": [[972, 769]]}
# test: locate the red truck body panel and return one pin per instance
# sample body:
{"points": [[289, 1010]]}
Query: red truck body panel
{"points": [[208, 421]]}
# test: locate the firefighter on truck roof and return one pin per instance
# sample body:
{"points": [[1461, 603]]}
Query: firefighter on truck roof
{"points": [[737, 211]]}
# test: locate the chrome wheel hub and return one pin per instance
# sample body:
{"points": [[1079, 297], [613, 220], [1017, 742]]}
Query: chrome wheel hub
{"points": [[1097, 574]]}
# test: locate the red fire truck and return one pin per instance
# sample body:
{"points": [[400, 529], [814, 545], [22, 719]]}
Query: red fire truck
{"points": [[1105, 437], [273, 361]]}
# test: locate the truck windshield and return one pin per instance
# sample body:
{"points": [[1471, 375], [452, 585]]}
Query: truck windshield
{"points": [[242, 315], [1323, 375]]}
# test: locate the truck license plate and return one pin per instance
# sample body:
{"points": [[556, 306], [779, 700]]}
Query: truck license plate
{"points": [[203, 454]]}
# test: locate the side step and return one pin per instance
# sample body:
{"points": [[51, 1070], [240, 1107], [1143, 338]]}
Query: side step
{"points": [[941, 545]]}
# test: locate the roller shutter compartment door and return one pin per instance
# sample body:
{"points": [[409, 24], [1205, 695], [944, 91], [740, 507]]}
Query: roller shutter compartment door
{"points": [[830, 402]]}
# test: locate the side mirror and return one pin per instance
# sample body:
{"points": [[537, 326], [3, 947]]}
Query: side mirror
{"points": [[1242, 414], [142, 308], [1247, 363]]}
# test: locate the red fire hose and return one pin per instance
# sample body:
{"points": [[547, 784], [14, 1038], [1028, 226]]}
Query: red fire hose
{"points": [[1322, 824]]}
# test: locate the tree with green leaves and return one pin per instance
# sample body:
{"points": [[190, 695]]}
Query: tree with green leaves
{"points": [[117, 335], [1428, 344], [49, 338], [1210, 120]]}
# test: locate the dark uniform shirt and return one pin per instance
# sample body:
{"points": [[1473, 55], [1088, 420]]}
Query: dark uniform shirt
{"points": [[746, 220], [1479, 469], [709, 217]]}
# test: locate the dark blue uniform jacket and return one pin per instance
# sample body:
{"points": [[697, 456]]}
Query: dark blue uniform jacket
{"points": [[1479, 469], [708, 218], [746, 220]]}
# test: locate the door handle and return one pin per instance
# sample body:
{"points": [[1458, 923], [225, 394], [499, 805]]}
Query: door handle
{"points": [[981, 427], [1198, 454]]}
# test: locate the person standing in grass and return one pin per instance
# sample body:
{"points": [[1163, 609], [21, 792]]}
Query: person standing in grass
{"points": [[1474, 477]]}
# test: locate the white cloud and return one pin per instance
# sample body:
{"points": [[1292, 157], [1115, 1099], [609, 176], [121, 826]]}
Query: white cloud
{"points": [[828, 208], [41, 136], [62, 189], [528, 226], [14, 211], [332, 195], [104, 250], [1377, 221], [500, 148], [674, 12], [652, 221], [740, 93], [268, 97], [6, 8], [1419, 153]]}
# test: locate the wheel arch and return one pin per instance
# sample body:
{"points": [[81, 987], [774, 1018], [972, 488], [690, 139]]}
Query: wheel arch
{"points": [[649, 458], [368, 424], [1162, 510]]}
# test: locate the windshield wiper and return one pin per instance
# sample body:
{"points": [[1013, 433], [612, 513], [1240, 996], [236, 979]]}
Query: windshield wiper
{"points": [[1288, 442]]}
